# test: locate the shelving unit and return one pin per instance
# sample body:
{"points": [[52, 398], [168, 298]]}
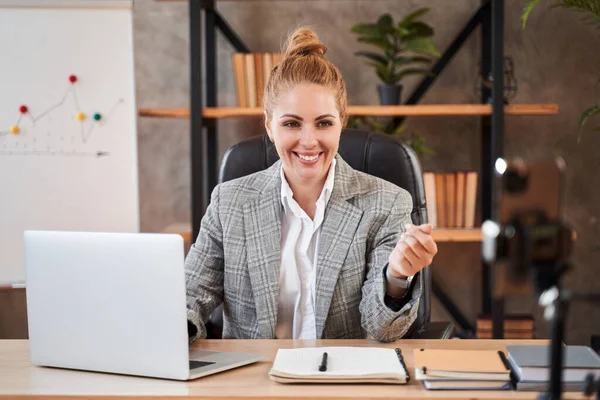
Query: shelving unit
{"points": [[204, 112]]}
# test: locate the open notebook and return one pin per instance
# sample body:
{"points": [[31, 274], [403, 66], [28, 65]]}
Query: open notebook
{"points": [[343, 365]]}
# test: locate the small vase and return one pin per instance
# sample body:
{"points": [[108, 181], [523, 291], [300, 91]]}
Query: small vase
{"points": [[389, 95]]}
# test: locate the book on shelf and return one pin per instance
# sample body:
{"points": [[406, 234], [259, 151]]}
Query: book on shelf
{"points": [[260, 76], [251, 73], [460, 198], [513, 322], [508, 334], [516, 326], [451, 190], [251, 81], [451, 198]]}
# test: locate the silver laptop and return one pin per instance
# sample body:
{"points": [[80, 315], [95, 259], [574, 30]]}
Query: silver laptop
{"points": [[113, 302]]}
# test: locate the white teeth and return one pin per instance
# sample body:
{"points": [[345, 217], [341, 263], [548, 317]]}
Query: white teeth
{"points": [[308, 158]]}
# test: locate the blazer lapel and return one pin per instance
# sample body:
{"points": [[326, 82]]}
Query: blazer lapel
{"points": [[262, 223], [337, 232]]}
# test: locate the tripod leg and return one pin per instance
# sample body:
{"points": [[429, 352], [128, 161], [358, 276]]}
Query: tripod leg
{"points": [[556, 312]]}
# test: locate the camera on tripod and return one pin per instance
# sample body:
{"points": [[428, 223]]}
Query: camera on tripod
{"points": [[527, 243], [528, 236]]}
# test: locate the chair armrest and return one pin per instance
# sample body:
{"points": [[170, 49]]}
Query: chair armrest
{"points": [[435, 330], [214, 325]]}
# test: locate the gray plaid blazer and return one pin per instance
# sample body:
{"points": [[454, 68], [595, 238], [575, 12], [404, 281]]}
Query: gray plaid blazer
{"points": [[236, 258]]}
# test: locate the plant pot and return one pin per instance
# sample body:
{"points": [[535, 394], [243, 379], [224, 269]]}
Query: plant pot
{"points": [[389, 95]]}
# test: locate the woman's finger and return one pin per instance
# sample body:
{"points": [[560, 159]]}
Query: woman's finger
{"points": [[425, 240], [416, 246], [414, 261], [398, 262]]}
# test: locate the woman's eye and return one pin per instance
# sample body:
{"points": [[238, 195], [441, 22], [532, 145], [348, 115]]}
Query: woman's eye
{"points": [[324, 124], [291, 124]]}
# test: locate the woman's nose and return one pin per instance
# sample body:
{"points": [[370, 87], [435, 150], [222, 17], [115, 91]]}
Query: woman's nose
{"points": [[308, 137]]}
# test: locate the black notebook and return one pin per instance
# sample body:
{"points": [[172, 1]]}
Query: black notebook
{"points": [[340, 365]]}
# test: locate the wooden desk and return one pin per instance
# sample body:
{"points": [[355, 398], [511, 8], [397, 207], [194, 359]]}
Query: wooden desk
{"points": [[18, 378]]}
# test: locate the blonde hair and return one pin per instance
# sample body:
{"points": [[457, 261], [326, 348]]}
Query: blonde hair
{"points": [[304, 62]]}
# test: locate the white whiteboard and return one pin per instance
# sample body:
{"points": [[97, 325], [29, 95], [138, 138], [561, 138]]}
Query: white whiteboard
{"points": [[56, 171]]}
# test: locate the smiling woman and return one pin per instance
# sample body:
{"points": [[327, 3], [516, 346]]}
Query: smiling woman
{"points": [[306, 132], [308, 248], [305, 110]]}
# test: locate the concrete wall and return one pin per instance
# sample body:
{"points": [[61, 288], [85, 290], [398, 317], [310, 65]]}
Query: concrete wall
{"points": [[555, 62]]}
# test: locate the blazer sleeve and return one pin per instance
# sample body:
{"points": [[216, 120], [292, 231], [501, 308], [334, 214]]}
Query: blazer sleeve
{"points": [[204, 270], [380, 321]]}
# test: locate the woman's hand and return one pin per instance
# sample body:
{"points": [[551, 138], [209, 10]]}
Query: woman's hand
{"points": [[413, 252]]}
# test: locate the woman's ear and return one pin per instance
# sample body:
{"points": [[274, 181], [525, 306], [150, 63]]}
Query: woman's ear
{"points": [[268, 127]]}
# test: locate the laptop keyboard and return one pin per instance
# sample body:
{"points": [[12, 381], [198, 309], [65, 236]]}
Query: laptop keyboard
{"points": [[198, 364]]}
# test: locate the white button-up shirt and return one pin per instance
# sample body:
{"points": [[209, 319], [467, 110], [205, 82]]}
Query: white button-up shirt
{"points": [[297, 277]]}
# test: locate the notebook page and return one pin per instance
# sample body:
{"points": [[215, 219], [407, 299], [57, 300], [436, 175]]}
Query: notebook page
{"points": [[341, 361]]}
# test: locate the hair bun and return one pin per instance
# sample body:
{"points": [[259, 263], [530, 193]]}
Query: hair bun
{"points": [[304, 42]]}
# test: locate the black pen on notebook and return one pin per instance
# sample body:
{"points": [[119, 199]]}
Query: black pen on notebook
{"points": [[401, 359], [323, 366]]}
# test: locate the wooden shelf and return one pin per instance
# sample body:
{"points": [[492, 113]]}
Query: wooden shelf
{"points": [[439, 234], [381, 111], [457, 235], [164, 112]]}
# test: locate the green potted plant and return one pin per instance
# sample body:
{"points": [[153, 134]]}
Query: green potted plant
{"points": [[404, 46], [591, 8]]}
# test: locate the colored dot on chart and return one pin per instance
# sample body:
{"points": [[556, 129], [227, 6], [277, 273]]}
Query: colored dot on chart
{"points": [[14, 130], [97, 116], [73, 78], [81, 116], [23, 109]]}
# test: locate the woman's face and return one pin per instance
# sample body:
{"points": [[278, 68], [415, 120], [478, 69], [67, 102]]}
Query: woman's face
{"points": [[305, 128]]}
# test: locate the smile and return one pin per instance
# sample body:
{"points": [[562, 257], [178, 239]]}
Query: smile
{"points": [[308, 159]]}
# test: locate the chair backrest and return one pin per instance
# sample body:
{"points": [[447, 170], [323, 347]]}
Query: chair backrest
{"points": [[374, 153]]}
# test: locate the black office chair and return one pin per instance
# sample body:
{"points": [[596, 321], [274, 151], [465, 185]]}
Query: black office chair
{"points": [[374, 153]]}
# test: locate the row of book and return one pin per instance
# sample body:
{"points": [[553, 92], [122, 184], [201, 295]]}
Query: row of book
{"points": [[516, 326], [251, 73], [451, 198]]}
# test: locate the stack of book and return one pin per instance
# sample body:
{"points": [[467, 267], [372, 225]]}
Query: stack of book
{"points": [[462, 369], [251, 72], [531, 367], [451, 198], [516, 326]]}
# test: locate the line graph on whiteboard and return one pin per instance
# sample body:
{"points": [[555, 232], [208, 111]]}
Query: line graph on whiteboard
{"points": [[63, 128]]}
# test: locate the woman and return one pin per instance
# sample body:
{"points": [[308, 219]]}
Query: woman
{"points": [[308, 248]]}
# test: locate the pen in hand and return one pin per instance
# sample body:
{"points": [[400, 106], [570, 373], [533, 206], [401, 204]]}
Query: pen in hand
{"points": [[323, 366]]}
